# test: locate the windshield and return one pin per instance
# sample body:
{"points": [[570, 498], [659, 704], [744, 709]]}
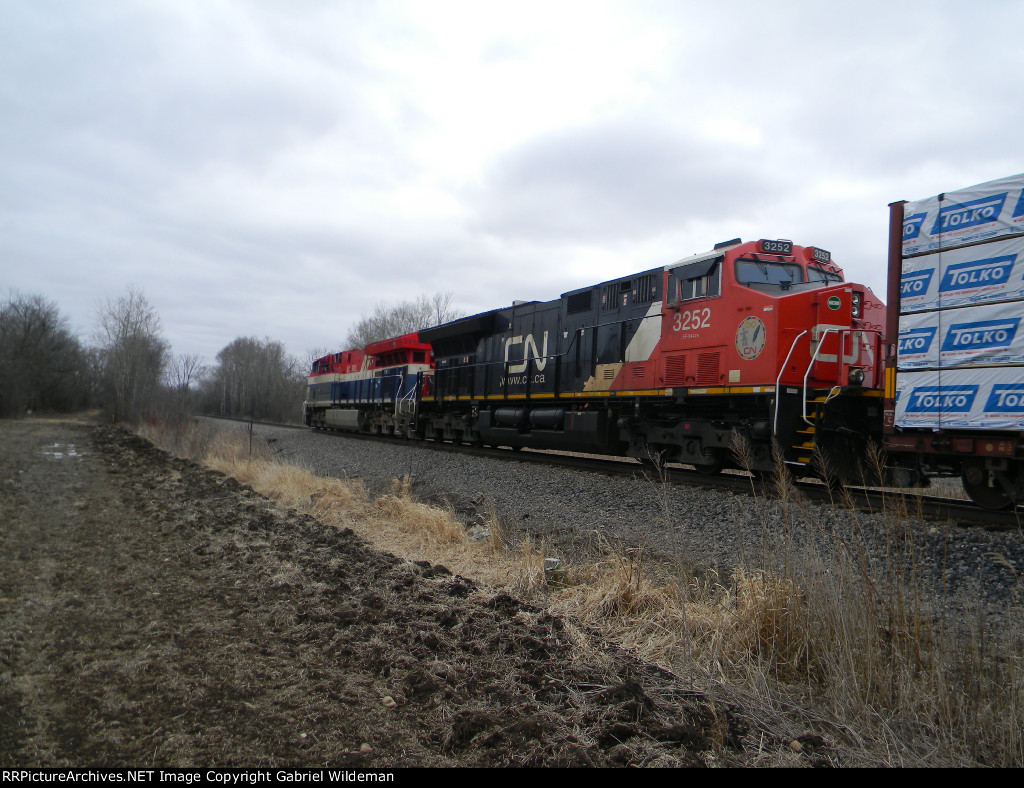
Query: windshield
{"points": [[815, 274], [755, 272]]}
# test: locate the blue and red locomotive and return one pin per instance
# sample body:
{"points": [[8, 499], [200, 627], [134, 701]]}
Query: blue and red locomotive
{"points": [[374, 389], [763, 340]]}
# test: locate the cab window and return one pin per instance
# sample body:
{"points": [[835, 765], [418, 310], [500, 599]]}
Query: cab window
{"points": [[815, 274], [759, 272], [697, 280]]}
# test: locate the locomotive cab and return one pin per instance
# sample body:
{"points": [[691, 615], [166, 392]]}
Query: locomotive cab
{"points": [[771, 334]]}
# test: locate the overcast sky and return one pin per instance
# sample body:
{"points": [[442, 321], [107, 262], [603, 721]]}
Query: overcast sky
{"points": [[275, 168]]}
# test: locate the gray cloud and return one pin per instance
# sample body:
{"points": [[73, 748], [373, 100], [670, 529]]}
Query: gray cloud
{"points": [[621, 180]]}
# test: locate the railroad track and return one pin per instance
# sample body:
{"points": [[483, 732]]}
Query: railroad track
{"points": [[911, 502]]}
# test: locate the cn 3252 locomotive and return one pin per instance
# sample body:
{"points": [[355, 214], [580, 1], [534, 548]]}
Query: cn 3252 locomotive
{"points": [[762, 341]]}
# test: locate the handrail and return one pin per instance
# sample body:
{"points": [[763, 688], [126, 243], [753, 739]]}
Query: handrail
{"points": [[814, 357], [403, 398], [778, 382]]}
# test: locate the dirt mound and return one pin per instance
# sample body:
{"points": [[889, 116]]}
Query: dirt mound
{"points": [[153, 612]]}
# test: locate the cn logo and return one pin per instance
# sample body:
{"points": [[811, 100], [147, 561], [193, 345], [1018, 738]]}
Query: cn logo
{"points": [[529, 350]]}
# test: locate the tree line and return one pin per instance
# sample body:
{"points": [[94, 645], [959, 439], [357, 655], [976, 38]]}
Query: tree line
{"points": [[129, 372]]}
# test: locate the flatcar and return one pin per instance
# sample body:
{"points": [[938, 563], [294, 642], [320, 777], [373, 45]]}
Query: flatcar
{"points": [[954, 399]]}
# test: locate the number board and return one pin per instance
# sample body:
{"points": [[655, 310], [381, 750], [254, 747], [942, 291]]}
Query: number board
{"points": [[821, 255], [776, 247]]}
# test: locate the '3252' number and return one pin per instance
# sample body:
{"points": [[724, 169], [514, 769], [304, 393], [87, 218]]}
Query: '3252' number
{"points": [[691, 320]]}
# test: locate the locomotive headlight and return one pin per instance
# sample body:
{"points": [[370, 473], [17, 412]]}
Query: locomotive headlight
{"points": [[856, 376], [855, 304]]}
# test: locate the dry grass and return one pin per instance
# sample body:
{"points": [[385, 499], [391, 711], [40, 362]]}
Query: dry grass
{"points": [[431, 525], [525, 573], [395, 522], [191, 439], [899, 671], [800, 633]]}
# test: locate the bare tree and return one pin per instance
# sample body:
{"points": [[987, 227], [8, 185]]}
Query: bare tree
{"points": [[256, 379], [393, 320], [182, 371], [134, 354], [42, 365], [313, 354], [442, 310]]}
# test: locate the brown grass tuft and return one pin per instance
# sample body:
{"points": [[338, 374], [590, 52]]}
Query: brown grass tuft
{"points": [[527, 577], [428, 522], [621, 590], [768, 620]]}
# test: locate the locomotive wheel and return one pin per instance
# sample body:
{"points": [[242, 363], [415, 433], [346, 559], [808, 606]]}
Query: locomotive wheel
{"points": [[653, 465], [653, 460], [984, 488], [712, 464]]}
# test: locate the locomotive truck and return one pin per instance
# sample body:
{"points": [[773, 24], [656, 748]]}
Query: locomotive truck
{"points": [[762, 343]]}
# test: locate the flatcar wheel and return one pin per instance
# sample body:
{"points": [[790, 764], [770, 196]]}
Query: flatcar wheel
{"points": [[983, 488]]}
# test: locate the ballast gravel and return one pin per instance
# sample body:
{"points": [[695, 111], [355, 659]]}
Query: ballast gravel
{"points": [[969, 574]]}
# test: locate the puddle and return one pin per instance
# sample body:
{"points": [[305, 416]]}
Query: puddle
{"points": [[59, 451]]}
